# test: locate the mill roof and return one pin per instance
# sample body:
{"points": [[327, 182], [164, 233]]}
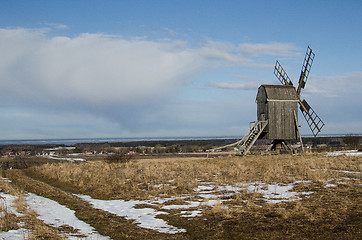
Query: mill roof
{"points": [[276, 92]]}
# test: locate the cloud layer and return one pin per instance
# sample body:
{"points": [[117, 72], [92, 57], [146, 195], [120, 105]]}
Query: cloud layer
{"points": [[236, 85], [91, 69], [128, 82]]}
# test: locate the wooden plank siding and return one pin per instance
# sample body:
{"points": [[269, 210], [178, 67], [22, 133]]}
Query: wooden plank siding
{"points": [[277, 103]]}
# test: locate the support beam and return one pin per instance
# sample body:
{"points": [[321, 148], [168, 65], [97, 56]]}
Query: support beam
{"points": [[298, 131]]}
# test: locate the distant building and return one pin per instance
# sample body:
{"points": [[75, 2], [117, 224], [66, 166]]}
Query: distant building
{"points": [[8, 154], [57, 150]]}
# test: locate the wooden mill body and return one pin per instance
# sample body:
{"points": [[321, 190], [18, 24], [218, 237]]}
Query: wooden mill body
{"points": [[279, 105]]}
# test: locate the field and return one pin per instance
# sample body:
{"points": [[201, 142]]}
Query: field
{"points": [[307, 196]]}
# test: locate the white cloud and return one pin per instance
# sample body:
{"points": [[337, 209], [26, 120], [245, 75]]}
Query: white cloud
{"points": [[56, 25], [336, 100], [343, 85], [239, 55], [236, 85], [101, 69], [91, 68], [224, 52], [274, 49], [123, 80]]}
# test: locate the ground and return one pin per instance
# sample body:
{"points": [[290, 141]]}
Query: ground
{"points": [[307, 196]]}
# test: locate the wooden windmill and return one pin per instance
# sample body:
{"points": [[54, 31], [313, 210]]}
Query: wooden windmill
{"points": [[277, 111]]}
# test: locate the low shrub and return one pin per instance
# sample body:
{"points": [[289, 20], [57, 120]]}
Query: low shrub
{"points": [[119, 158]]}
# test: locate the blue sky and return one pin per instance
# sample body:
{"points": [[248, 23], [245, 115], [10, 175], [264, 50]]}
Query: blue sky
{"points": [[78, 69]]}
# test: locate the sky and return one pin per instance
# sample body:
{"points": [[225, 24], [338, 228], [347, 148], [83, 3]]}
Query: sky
{"points": [[87, 69]]}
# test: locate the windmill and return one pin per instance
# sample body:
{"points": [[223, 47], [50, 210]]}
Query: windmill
{"points": [[277, 111], [314, 122]]}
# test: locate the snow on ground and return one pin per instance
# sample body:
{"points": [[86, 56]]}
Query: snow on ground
{"points": [[275, 193], [145, 217], [50, 212], [5, 180], [347, 153], [56, 157], [341, 181], [7, 204], [56, 215], [18, 234], [205, 195], [271, 193]]}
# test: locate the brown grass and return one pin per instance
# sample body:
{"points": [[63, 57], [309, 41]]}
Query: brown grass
{"points": [[38, 229], [330, 212], [177, 176]]}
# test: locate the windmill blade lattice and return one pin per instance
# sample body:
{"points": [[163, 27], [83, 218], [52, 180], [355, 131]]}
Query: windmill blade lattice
{"points": [[281, 74], [307, 64], [314, 122]]}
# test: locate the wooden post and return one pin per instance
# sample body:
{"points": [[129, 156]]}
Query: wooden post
{"points": [[298, 132]]}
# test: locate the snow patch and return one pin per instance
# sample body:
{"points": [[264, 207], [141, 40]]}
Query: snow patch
{"points": [[191, 204], [272, 193], [191, 214], [206, 195], [7, 204], [18, 234], [64, 158], [349, 172], [56, 215], [347, 153], [5, 180], [275, 193], [145, 217]]}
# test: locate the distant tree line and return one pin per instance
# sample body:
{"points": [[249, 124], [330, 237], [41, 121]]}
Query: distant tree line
{"points": [[175, 146]]}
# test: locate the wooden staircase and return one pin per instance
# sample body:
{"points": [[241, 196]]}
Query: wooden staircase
{"points": [[248, 140]]}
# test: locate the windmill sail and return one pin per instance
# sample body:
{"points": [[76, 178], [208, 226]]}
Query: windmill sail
{"points": [[281, 74], [314, 122], [307, 64]]}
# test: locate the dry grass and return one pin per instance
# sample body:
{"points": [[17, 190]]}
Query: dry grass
{"points": [[28, 219], [142, 178], [330, 212]]}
